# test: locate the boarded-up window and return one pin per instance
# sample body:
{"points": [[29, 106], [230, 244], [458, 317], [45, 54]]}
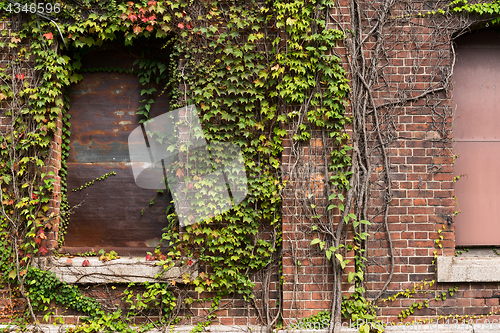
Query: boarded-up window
{"points": [[476, 100], [103, 113]]}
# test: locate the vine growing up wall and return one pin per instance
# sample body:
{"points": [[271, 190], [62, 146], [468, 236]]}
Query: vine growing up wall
{"points": [[256, 71], [384, 89]]}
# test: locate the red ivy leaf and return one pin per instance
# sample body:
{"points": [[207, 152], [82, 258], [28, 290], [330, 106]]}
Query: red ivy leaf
{"points": [[189, 262], [179, 173], [69, 262], [149, 28], [181, 25], [41, 234], [48, 35], [86, 263], [137, 29], [149, 257], [132, 17], [43, 250]]}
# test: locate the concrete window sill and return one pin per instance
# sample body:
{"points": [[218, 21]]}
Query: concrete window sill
{"points": [[469, 268], [115, 271]]}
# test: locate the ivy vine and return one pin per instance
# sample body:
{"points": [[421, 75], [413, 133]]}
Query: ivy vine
{"points": [[243, 64], [259, 72]]}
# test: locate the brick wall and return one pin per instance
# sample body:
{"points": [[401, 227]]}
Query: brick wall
{"points": [[10, 301], [53, 161], [53, 164], [418, 133], [420, 153]]}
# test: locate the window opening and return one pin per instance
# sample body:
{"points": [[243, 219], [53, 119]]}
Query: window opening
{"points": [[103, 108], [476, 129]]}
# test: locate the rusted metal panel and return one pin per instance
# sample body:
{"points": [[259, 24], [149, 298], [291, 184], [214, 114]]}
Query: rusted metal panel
{"points": [[476, 101], [109, 212], [102, 109], [102, 113]]}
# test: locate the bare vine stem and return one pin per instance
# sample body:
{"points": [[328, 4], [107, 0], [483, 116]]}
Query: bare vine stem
{"points": [[371, 48]]}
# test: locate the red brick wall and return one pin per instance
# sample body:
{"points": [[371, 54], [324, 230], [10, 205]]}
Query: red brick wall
{"points": [[420, 153], [53, 164], [53, 161], [11, 303]]}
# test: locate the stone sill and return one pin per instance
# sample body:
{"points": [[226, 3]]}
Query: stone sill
{"points": [[123, 270], [468, 269]]}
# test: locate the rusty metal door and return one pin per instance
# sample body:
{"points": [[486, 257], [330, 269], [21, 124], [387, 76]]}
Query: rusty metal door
{"points": [[476, 129], [102, 109]]}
